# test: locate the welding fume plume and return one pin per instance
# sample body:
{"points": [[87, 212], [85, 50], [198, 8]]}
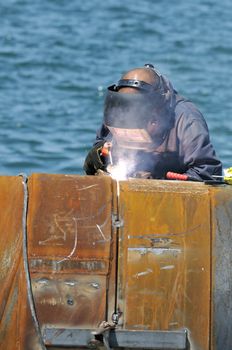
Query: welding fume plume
{"points": [[116, 171]]}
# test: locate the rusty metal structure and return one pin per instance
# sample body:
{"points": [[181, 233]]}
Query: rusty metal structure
{"points": [[89, 262]]}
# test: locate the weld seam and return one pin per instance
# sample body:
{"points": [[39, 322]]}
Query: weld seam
{"points": [[26, 263]]}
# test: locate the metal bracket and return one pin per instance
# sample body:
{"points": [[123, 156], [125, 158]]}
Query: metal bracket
{"points": [[117, 222], [118, 338]]}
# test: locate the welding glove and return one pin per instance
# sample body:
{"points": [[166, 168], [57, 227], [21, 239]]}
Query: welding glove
{"points": [[95, 160]]}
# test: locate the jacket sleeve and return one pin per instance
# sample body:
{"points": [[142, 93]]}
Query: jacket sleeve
{"points": [[195, 149], [103, 134]]}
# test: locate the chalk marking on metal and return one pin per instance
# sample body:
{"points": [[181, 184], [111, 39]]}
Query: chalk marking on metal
{"points": [[168, 267], [86, 188], [99, 212], [156, 251], [74, 246], [102, 234], [160, 235], [143, 273]]}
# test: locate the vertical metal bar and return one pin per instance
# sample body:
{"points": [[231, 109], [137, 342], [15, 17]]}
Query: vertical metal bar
{"points": [[115, 315], [26, 265]]}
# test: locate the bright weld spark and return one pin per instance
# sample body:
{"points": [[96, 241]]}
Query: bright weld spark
{"points": [[119, 171]]}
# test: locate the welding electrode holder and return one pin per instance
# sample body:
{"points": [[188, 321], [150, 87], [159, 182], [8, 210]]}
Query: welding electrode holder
{"points": [[176, 176], [183, 177], [106, 152]]}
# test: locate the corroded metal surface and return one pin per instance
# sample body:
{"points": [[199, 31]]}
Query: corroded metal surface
{"points": [[164, 258], [119, 338], [221, 204], [11, 196], [17, 331], [169, 242], [69, 233]]}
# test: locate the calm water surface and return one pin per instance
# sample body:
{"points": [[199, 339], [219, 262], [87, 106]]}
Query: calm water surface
{"points": [[58, 56]]}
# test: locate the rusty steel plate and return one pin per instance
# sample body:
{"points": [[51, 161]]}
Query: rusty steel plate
{"points": [[164, 257], [70, 240]]}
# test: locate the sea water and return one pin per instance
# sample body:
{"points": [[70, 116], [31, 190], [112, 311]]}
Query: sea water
{"points": [[57, 57]]}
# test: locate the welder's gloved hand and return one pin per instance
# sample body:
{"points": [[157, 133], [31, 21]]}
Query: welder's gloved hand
{"points": [[95, 160]]}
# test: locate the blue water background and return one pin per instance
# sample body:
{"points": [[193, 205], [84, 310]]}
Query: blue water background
{"points": [[58, 56]]}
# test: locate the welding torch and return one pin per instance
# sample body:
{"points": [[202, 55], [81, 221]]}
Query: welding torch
{"points": [[106, 152]]}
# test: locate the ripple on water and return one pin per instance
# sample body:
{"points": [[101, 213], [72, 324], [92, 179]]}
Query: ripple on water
{"points": [[57, 58]]}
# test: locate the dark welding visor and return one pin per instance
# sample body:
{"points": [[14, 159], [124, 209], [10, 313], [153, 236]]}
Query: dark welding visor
{"points": [[127, 114], [131, 110]]}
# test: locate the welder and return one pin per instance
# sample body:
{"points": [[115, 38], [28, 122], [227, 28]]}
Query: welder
{"points": [[152, 128]]}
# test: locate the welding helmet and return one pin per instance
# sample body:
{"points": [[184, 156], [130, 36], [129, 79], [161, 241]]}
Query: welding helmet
{"points": [[128, 115]]}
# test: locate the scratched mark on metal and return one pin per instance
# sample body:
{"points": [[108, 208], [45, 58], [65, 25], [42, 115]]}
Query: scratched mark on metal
{"points": [[142, 273], [156, 251], [87, 187], [168, 267], [164, 236], [74, 245], [59, 228], [164, 186], [68, 227]]}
